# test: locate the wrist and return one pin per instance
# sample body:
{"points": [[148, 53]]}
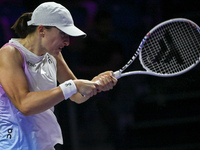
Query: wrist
{"points": [[68, 88]]}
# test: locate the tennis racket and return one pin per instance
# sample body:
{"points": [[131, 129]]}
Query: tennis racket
{"points": [[169, 49]]}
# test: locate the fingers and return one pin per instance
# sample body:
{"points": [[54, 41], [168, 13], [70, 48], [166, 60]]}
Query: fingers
{"points": [[90, 94], [114, 80], [103, 82], [107, 82], [86, 88], [90, 91], [109, 73]]}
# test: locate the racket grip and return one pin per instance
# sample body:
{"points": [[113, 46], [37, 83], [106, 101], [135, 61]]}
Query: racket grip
{"points": [[117, 74]]}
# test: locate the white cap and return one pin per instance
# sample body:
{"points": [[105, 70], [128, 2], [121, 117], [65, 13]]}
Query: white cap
{"points": [[54, 14]]}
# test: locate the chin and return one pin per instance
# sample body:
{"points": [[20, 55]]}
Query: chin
{"points": [[56, 53]]}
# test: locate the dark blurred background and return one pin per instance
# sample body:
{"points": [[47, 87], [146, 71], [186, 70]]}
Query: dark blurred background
{"points": [[141, 112]]}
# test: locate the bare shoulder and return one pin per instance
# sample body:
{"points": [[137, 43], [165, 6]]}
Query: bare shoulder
{"points": [[9, 50], [10, 54], [11, 62]]}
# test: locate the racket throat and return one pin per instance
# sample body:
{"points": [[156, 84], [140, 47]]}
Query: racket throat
{"points": [[117, 74]]}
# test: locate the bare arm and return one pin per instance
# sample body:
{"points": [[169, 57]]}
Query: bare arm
{"points": [[14, 82], [64, 73], [107, 81]]}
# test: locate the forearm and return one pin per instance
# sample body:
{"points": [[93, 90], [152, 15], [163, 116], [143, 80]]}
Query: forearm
{"points": [[37, 102], [103, 82], [84, 87]]}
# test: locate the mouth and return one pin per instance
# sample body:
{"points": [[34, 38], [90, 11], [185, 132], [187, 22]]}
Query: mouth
{"points": [[60, 48]]}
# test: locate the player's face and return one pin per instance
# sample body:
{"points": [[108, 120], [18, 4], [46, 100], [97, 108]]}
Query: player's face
{"points": [[55, 40]]}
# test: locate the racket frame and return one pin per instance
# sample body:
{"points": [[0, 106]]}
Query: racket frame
{"points": [[119, 73]]}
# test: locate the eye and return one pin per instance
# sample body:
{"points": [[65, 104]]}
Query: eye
{"points": [[62, 34]]}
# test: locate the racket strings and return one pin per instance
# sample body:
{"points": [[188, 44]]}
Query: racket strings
{"points": [[171, 48]]}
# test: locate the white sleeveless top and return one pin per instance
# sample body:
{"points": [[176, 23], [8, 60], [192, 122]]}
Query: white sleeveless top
{"points": [[37, 132]]}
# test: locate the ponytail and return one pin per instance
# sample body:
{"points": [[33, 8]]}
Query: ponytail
{"points": [[21, 28]]}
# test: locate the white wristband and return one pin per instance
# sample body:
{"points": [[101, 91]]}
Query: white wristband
{"points": [[68, 88]]}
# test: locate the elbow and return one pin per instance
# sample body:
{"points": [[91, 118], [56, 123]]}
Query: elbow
{"points": [[25, 111]]}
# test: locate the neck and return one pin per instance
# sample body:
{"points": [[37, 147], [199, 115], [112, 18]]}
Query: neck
{"points": [[33, 44]]}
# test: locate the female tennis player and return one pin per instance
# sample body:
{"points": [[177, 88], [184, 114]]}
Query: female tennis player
{"points": [[30, 67]]}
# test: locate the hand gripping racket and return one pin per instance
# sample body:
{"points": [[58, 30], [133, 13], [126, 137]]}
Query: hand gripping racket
{"points": [[171, 48]]}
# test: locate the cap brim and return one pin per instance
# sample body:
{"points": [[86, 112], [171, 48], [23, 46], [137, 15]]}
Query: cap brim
{"points": [[72, 31]]}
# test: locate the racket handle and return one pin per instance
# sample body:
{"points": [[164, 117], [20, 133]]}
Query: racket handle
{"points": [[117, 74]]}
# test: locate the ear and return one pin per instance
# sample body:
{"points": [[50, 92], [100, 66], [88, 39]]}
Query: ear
{"points": [[41, 30]]}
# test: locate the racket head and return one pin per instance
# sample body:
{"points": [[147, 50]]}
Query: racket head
{"points": [[171, 48]]}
